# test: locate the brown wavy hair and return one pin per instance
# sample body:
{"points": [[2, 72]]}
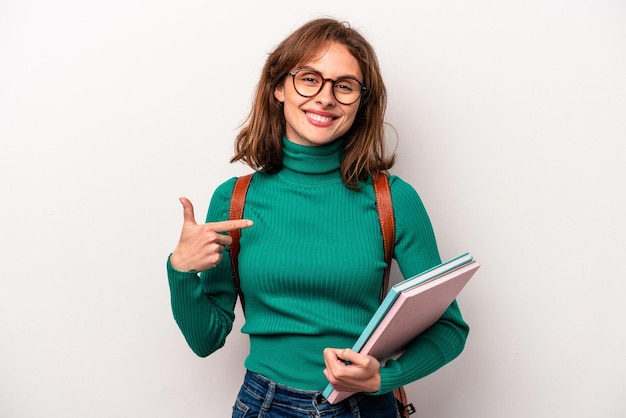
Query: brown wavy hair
{"points": [[259, 142]]}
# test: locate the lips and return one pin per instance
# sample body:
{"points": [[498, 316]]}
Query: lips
{"points": [[317, 118]]}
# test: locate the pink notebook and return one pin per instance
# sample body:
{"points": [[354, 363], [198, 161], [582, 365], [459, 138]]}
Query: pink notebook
{"points": [[413, 311]]}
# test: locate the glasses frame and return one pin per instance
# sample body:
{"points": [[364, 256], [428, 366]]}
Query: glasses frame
{"points": [[324, 80]]}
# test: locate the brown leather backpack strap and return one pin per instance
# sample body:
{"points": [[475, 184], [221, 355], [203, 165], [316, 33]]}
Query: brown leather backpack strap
{"points": [[405, 408], [388, 229], [387, 220], [236, 212]]}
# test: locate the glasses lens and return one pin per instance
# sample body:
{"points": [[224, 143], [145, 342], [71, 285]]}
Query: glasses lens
{"points": [[347, 90], [308, 83]]}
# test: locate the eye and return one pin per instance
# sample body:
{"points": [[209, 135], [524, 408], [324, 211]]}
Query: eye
{"points": [[310, 79], [346, 85]]}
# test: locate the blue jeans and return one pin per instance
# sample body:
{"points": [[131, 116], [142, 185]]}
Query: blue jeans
{"points": [[259, 397]]}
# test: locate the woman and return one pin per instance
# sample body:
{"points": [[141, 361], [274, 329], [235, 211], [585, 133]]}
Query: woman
{"points": [[311, 265]]}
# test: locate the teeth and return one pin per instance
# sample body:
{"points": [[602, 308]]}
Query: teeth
{"points": [[319, 118]]}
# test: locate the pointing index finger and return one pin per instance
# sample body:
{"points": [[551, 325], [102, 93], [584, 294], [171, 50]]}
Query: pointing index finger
{"points": [[231, 225]]}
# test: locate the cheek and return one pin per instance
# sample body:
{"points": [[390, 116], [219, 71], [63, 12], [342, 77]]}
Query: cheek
{"points": [[291, 114], [351, 115]]}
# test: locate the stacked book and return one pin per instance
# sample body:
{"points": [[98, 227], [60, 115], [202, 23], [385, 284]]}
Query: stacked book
{"points": [[410, 308]]}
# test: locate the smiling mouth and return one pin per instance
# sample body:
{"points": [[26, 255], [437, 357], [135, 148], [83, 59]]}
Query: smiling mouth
{"points": [[319, 118]]}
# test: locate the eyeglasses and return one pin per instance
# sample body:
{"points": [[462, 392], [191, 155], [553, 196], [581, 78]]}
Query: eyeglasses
{"points": [[308, 83]]}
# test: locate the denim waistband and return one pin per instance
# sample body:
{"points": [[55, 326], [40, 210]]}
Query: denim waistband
{"points": [[261, 386], [263, 394]]}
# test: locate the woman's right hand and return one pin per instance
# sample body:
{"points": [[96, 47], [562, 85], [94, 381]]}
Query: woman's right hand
{"points": [[200, 246]]}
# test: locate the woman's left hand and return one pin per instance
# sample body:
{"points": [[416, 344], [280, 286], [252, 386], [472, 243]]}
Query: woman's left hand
{"points": [[350, 371]]}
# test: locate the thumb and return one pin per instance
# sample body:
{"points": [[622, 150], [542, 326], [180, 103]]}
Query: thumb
{"points": [[347, 355], [188, 215]]}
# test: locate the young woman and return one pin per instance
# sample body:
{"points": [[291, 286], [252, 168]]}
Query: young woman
{"points": [[311, 260]]}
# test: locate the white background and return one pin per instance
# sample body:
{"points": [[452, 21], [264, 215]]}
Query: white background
{"points": [[512, 125]]}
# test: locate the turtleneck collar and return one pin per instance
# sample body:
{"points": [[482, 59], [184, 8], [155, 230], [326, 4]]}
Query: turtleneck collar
{"points": [[313, 165]]}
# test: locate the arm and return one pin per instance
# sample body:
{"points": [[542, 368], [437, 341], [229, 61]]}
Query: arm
{"points": [[203, 304], [416, 251]]}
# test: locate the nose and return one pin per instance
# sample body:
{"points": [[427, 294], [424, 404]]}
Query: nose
{"points": [[326, 96]]}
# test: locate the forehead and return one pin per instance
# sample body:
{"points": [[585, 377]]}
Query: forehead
{"points": [[334, 60]]}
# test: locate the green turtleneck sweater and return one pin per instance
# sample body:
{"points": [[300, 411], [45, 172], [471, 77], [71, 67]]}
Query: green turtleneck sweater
{"points": [[311, 268]]}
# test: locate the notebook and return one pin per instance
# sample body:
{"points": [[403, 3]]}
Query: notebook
{"points": [[410, 308]]}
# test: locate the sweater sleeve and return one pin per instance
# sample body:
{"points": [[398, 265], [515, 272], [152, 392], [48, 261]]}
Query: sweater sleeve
{"points": [[203, 303], [416, 251]]}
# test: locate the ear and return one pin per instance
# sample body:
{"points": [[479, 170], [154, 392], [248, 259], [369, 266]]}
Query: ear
{"points": [[279, 93]]}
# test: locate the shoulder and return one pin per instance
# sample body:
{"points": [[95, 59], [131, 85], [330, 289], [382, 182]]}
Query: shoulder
{"points": [[406, 201], [416, 246], [220, 201], [402, 190], [224, 190]]}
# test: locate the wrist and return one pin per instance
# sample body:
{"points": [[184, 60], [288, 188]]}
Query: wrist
{"points": [[177, 264]]}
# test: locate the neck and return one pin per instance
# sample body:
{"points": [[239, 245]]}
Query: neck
{"points": [[313, 165]]}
